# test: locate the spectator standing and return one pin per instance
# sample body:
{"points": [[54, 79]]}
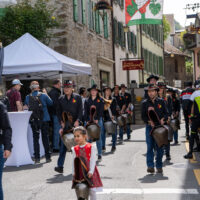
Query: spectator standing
{"points": [[54, 94], [5, 141], [37, 102], [14, 96]]}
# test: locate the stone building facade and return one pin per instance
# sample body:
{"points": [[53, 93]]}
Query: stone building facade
{"points": [[85, 35]]}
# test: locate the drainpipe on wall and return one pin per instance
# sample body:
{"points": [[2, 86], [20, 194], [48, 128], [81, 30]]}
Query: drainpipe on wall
{"points": [[113, 44]]}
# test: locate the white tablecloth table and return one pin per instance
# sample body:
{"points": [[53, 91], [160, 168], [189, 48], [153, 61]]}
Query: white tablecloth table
{"points": [[20, 153], [30, 142]]}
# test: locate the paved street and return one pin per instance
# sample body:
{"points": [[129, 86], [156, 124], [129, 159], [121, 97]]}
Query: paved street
{"points": [[123, 174]]}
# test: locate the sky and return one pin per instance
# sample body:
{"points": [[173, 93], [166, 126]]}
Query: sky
{"points": [[176, 7]]}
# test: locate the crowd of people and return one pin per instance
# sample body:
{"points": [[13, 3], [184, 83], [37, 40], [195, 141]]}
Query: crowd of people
{"points": [[110, 103]]}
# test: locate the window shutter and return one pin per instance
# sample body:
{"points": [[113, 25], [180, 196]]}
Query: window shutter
{"points": [[122, 4], [145, 59], [115, 29], [97, 22], [93, 16], [105, 22], [89, 14], [135, 44], [147, 63], [123, 37], [132, 42], [119, 34], [75, 10], [83, 4]]}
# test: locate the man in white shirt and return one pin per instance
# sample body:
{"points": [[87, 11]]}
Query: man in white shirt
{"points": [[195, 120]]}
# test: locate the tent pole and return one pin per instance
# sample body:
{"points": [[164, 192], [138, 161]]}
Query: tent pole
{"points": [[61, 80]]}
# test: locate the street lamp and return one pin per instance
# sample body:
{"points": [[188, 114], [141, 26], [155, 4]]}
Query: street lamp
{"points": [[102, 5]]}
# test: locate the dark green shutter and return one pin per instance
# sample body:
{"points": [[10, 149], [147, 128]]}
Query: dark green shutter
{"points": [[145, 59], [132, 42], [115, 29], [122, 4], [129, 40], [135, 44], [75, 10], [161, 70], [83, 8], [147, 63], [97, 22], [105, 24]]}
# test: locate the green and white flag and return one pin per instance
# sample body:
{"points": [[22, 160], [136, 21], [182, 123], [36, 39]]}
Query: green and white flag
{"points": [[143, 12]]}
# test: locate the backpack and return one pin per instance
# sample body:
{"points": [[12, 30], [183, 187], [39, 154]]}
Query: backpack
{"points": [[35, 106], [5, 101]]}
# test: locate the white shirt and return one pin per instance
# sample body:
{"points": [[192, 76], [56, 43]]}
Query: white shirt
{"points": [[194, 95], [93, 158]]}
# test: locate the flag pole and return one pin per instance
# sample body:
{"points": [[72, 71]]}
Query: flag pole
{"points": [[141, 50]]}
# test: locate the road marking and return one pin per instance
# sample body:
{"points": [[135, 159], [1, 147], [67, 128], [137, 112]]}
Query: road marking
{"points": [[149, 191], [197, 175]]}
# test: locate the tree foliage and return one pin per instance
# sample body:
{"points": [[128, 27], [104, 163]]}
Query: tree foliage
{"points": [[166, 27], [24, 17], [189, 65]]}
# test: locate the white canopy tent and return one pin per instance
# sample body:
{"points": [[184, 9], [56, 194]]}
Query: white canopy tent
{"points": [[27, 58], [4, 3]]}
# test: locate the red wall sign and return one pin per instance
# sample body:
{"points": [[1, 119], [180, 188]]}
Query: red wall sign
{"points": [[133, 65]]}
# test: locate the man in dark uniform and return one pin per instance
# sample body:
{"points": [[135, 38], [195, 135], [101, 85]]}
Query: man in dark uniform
{"points": [[185, 100], [159, 106], [72, 103], [95, 100], [127, 98], [195, 120], [121, 106], [152, 79]]}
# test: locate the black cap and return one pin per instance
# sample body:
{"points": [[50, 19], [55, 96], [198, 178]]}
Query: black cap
{"points": [[188, 84], [152, 87], [116, 86], [170, 90], [197, 82], [152, 76], [123, 86], [162, 85], [94, 87], [106, 87], [68, 83], [82, 90]]}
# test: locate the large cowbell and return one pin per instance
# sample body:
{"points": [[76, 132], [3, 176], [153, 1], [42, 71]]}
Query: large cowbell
{"points": [[128, 118], [174, 124], [159, 133], [68, 140], [121, 120], [170, 132], [110, 127], [93, 129], [82, 191], [68, 136]]}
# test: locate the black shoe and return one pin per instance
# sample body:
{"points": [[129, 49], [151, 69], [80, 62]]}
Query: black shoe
{"points": [[168, 157], [59, 169], [56, 150], [48, 160], [150, 170], [113, 149], [129, 137], [37, 160], [103, 149], [197, 149], [188, 156], [159, 170], [176, 142], [99, 158]]}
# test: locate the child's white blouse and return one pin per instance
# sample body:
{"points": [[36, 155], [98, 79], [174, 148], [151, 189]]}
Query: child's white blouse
{"points": [[93, 158]]}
